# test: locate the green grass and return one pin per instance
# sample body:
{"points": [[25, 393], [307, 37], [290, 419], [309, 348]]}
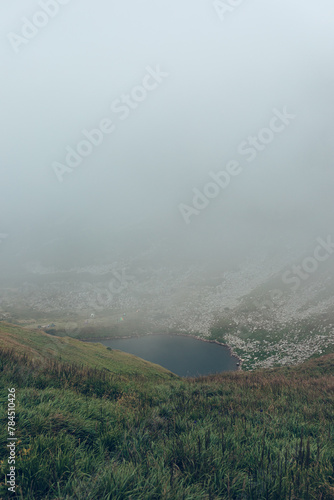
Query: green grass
{"points": [[87, 432], [41, 346]]}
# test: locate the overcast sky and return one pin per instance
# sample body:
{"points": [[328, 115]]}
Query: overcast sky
{"points": [[210, 79]]}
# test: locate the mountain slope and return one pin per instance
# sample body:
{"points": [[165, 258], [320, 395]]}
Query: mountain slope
{"points": [[40, 347], [84, 432]]}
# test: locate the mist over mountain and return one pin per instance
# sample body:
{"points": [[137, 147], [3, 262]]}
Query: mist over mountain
{"points": [[187, 146]]}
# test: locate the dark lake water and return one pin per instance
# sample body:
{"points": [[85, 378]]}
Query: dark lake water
{"points": [[184, 356]]}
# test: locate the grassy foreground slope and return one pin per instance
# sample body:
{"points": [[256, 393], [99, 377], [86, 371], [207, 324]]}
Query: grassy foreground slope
{"points": [[87, 432], [41, 347]]}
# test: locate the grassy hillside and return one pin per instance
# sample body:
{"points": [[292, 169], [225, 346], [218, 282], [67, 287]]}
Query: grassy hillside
{"points": [[39, 346], [87, 432]]}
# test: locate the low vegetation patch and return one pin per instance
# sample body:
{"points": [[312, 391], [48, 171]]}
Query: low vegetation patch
{"points": [[86, 432]]}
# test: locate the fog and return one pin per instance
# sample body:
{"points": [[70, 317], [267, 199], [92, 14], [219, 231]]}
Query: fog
{"points": [[210, 78]]}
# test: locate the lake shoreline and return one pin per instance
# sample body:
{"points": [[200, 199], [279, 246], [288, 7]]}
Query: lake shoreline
{"points": [[233, 354]]}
